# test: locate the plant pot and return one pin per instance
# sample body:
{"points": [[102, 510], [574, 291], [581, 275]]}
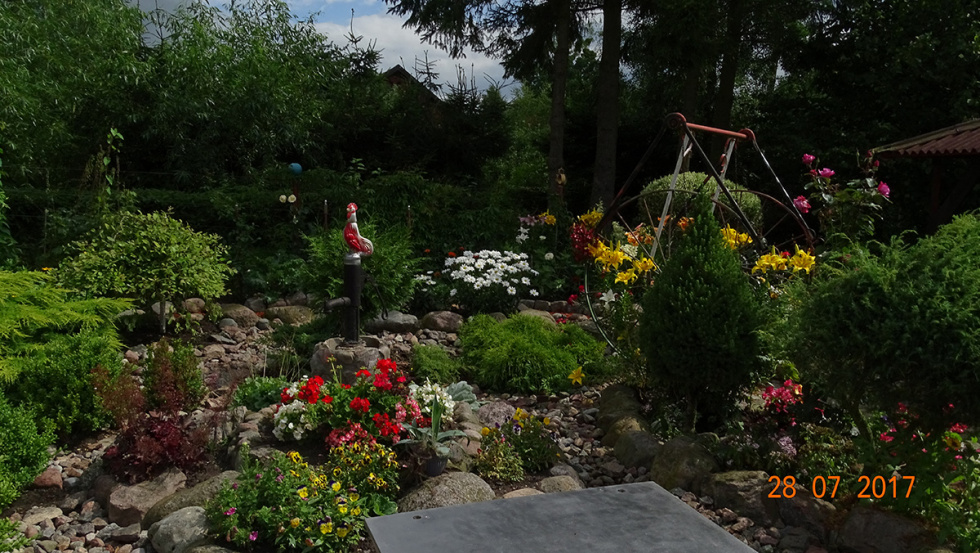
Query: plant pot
{"points": [[435, 465]]}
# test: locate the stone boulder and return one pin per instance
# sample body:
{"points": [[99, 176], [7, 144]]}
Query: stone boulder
{"points": [[868, 530], [682, 463], [50, 478], [557, 484], [805, 511], [562, 469], [637, 448], [746, 492], [618, 401], [129, 504], [194, 305], [443, 321], [290, 314], [38, 514], [543, 315], [179, 531], [496, 414], [396, 323], [522, 492], [243, 316], [623, 426], [209, 548], [197, 496], [453, 488]]}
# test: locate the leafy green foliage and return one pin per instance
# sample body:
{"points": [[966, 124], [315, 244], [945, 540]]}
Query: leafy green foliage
{"points": [[692, 182], [433, 363], [392, 266], [259, 392], [8, 249], [24, 441], [498, 459], [902, 325], [699, 323], [148, 257], [11, 539], [526, 354]]}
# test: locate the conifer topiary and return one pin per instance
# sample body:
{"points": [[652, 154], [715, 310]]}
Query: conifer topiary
{"points": [[699, 322]]}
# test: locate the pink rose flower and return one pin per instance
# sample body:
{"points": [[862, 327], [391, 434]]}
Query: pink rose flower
{"points": [[808, 159], [802, 204], [826, 173], [254, 535], [883, 189]]}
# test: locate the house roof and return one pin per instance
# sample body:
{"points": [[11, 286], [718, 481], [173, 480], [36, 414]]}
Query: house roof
{"points": [[958, 140]]}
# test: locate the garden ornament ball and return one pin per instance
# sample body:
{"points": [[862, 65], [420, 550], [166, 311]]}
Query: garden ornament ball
{"points": [[295, 168]]}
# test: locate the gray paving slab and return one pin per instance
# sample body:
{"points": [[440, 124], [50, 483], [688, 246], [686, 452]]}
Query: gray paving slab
{"points": [[641, 517]]}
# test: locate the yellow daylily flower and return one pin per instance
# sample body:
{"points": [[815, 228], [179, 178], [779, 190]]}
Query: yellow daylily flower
{"points": [[577, 376], [626, 276], [802, 260], [645, 264]]}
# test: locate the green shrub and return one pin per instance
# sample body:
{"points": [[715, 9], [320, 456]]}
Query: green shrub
{"points": [[393, 267], [433, 363], [24, 441], [750, 203], [11, 539], [148, 257], [498, 459], [699, 325], [903, 325], [526, 354], [259, 392]]}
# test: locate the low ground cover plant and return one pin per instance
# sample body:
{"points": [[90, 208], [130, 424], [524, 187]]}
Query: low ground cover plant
{"points": [[24, 441], [527, 354]]}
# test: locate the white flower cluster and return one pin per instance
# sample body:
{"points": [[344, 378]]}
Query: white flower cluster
{"points": [[488, 268], [426, 280], [429, 393], [291, 422], [522, 235]]}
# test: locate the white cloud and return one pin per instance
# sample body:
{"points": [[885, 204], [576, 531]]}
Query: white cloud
{"points": [[399, 45]]}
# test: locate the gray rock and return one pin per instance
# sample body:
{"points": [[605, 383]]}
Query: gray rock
{"points": [[523, 492], [179, 531], [396, 323], [558, 307], [562, 469], [298, 298], [454, 488], [805, 511], [290, 314], [194, 305], [624, 425], [242, 315], [589, 326], [798, 539], [682, 463], [618, 401], [637, 448], [37, 514], [128, 504], [197, 496], [496, 414], [209, 548], [444, 321], [868, 530], [537, 313], [255, 304], [746, 492], [262, 324], [227, 323], [498, 316], [556, 484], [120, 534]]}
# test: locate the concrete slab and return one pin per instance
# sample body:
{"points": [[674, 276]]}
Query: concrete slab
{"points": [[641, 517]]}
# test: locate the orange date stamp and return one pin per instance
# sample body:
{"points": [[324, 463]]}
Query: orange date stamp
{"points": [[876, 487]]}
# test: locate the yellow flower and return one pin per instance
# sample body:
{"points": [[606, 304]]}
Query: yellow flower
{"points": [[303, 492], [612, 258], [520, 414], [342, 509], [485, 431], [354, 497], [326, 528], [294, 523], [342, 532], [577, 376], [546, 421], [626, 276], [645, 264], [547, 217], [597, 250], [45, 268], [356, 511], [801, 260], [592, 218], [295, 457]]}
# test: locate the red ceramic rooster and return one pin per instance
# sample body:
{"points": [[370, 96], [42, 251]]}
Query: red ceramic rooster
{"points": [[353, 237]]}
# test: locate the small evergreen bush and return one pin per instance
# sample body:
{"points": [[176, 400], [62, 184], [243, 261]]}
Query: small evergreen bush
{"points": [[433, 363], [899, 326], [24, 441], [526, 354], [173, 375], [692, 181], [699, 325], [259, 392]]}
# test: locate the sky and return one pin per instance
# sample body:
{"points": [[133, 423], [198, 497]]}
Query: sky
{"points": [[398, 45]]}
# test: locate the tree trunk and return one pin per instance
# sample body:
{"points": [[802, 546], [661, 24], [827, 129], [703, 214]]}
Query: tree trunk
{"points": [[556, 123], [607, 104], [726, 80]]}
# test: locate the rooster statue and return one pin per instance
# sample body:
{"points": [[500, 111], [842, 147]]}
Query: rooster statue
{"points": [[353, 237]]}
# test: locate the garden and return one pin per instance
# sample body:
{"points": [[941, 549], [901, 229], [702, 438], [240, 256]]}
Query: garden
{"points": [[797, 360]]}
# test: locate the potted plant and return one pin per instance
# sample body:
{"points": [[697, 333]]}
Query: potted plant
{"points": [[433, 398]]}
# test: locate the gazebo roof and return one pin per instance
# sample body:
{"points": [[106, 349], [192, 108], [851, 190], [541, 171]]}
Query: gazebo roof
{"points": [[955, 141]]}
